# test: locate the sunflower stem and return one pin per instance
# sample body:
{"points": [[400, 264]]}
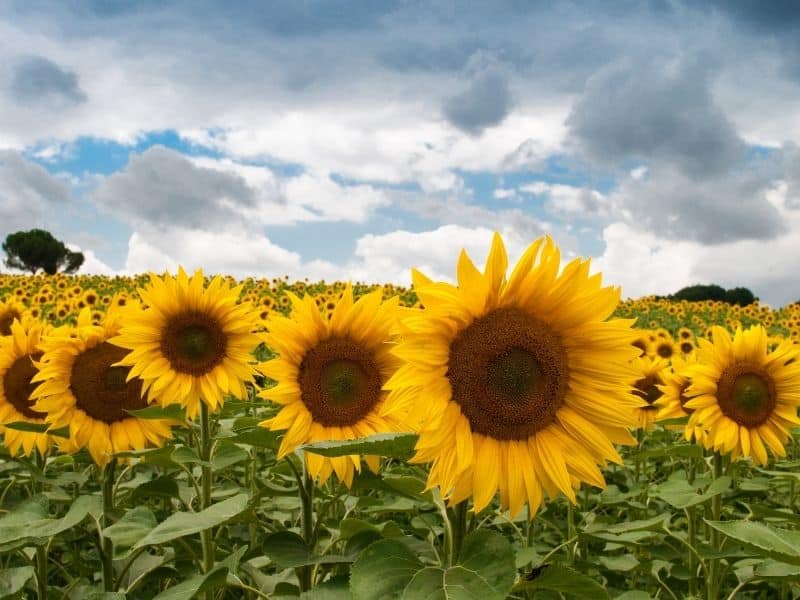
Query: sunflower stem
{"points": [[570, 532], [458, 530], [206, 477], [108, 508], [306, 487], [41, 551], [692, 532], [716, 509]]}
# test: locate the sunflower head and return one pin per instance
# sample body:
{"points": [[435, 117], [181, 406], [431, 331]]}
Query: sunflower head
{"points": [[330, 374], [744, 395], [18, 353], [82, 385], [520, 383], [9, 312], [193, 343]]}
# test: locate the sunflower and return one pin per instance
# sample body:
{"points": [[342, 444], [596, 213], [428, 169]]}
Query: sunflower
{"points": [[745, 396], [672, 402], [9, 311], [17, 353], [330, 375], [82, 386], [665, 348], [647, 388], [191, 344], [520, 384]]}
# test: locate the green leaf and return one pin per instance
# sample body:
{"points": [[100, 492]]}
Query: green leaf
{"points": [[388, 569], [678, 492], [675, 450], [187, 523], [165, 487], [620, 562], [253, 435], [13, 580], [395, 445], [383, 571], [132, 527], [328, 590], [654, 524], [173, 412], [227, 455], [36, 532], [772, 569], [289, 550], [216, 578], [350, 527], [558, 578], [62, 432], [780, 544]]}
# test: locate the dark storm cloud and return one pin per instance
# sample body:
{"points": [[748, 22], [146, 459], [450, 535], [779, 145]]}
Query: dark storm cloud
{"points": [[655, 110], [38, 79], [485, 102], [162, 188]]}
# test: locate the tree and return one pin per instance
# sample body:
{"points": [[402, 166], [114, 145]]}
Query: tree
{"points": [[697, 293], [38, 249]]}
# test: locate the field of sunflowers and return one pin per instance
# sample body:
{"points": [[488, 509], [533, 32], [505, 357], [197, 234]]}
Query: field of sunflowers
{"points": [[521, 434]]}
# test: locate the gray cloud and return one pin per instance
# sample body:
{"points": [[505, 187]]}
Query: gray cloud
{"points": [[485, 102], [711, 211], [790, 154], [40, 80], [655, 110], [161, 187]]}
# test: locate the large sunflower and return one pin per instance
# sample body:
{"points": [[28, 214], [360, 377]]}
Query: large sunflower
{"points": [[672, 402], [521, 384], [17, 353], [9, 312], [330, 374], [81, 385], [744, 396], [191, 344]]}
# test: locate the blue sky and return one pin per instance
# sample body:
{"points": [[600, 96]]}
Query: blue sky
{"points": [[360, 139]]}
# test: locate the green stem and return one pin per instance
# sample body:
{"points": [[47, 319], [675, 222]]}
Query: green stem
{"points": [[108, 508], [458, 530], [570, 531], [41, 572], [306, 486], [692, 533], [206, 478], [716, 509]]}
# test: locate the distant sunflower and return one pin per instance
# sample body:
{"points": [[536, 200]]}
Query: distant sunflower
{"points": [[9, 311], [521, 384], [191, 344], [647, 387], [664, 348], [17, 353], [745, 396], [330, 374], [82, 386], [672, 403]]}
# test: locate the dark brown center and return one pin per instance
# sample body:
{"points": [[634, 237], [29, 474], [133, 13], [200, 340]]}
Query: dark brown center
{"points": [[687, 347], [646, 389], [664, 350], [641, 345], [17, 386], [509, 373], [100, 388], [746, 393], [339, 382], [683, 399], [194, 343], [6, 319]]}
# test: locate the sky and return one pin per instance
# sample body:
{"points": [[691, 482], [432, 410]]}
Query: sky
{"points": [[356, 139]]}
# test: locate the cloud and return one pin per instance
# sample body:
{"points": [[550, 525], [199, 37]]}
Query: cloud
{"points": [[655, 110], [484, 103], [29, 195], [39, 80], [569, 200]]}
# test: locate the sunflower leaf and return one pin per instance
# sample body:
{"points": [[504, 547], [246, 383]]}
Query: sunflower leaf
{"points": [[132, 527], [13, 580], [287, 549], [562, 579], [780, 544], [173, 412], [394, 445], [62, 432], [214, 579]]}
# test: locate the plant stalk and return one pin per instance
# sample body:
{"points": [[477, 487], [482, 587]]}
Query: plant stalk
{"points": [[206, 477], [306, 486], [458, 529], [716, 510], [108, 508]]}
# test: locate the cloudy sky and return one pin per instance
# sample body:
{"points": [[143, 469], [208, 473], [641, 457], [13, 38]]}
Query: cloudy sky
{"points": [[356, 139]]}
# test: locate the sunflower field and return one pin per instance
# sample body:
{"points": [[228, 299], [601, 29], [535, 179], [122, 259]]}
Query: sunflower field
{"points": [[520, 434]]}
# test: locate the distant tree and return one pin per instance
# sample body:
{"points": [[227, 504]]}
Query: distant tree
{"points": [[698, 293], [38, 249]]}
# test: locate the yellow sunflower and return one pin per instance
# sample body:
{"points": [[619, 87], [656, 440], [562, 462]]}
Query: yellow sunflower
{"points": [[520, 383], [330, 374], [745, 396], [647, 387], [192, 343], [18, 351], [81, 385], [9, 311], [672, 403]]}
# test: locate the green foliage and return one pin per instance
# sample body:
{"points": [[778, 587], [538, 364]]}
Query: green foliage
{"points": [[38, 249], [697, 293]]}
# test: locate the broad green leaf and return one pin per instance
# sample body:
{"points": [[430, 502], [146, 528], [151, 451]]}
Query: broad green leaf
{"points": [[395, 445], [172, 412], [184, 455], [772, 569], [558, 578], [165, 487], [329, 590], [288, 550], [350, 527], [158, 457], [675, 450], [227, 455], [247, 431], [653, 524], [12, 581], [619, 562], [36, 532], [187, 523], [489, 555], [780, 544], [62, 432], [198, 584], [678, 492], [132, 527], [383, 571]]}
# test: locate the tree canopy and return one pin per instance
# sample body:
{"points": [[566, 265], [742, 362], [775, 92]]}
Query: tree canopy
{"points": [[38, 249], [695, 293]]}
